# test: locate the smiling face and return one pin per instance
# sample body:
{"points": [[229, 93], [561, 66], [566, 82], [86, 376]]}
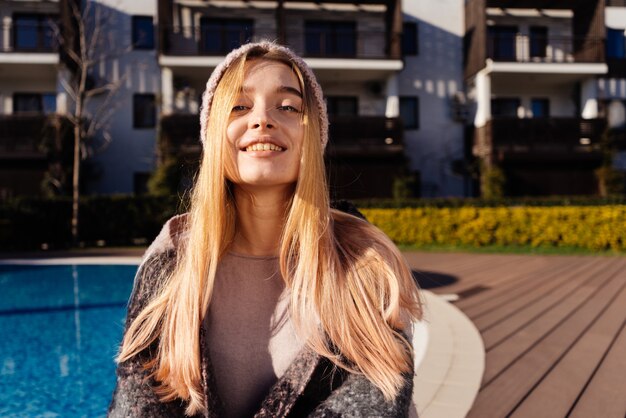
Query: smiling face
{"points": [[265, 129]]}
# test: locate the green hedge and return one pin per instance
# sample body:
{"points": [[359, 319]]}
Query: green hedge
{"points": [[128, 220], [587, 227], [27, 223], [456, 202]]}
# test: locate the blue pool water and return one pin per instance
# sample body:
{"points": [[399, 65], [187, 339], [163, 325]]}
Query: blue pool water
{"points": [[60, 328]]}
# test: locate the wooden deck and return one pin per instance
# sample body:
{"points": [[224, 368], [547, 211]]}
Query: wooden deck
{"points": [[553, 329]]}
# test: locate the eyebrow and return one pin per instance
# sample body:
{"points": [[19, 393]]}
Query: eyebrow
{"points": [[287, 89], [281, 89]]}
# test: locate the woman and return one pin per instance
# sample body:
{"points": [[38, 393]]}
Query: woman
{"points": [[263, 300]]}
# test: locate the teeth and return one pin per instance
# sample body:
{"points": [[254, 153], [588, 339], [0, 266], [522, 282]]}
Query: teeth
{"points": [[264, 147]]}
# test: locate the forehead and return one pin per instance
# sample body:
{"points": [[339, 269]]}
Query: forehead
{"points": [[261, 72]]}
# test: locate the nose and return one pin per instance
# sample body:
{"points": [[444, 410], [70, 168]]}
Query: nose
{"points": [[260, 118]]}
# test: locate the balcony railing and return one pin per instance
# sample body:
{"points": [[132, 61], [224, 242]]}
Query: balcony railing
{"points": [[365, 134], [539, 136], [358, 135], [31, 135], [28, 36], [194, 41], [523, 48]]}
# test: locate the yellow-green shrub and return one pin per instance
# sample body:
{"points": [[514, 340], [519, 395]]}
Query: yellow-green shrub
{"points": [[588, 227]]}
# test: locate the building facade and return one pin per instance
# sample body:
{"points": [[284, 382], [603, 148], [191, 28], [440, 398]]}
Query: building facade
{"points": [[420, 92], [540, 82]]}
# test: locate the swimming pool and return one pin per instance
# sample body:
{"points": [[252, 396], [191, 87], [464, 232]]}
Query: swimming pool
{"points": [[60, 326]]}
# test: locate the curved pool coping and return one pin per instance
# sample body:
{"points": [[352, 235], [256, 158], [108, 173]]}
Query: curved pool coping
{"points": [[448, 376]]}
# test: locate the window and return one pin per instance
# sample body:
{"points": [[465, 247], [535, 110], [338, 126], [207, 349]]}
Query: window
{"points": [[32, 32], [34, 102], [140, 183], [501, 42], [615, 43], [409, 112], [409, 38], [342, 105], [540, 108], [505, 107], [538, 41], [336, 39], [220, 36], [143, 32], [144, 111]]}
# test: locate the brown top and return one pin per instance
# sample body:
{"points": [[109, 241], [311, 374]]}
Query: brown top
{"points": [[249, 335]]}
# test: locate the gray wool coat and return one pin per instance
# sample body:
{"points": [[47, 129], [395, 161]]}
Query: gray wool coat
{"points": [[310, 387]]}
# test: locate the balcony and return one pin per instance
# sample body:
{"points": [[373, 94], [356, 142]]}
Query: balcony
{"points": [[349, 136], [540, 138], [497, 40], [365, 135], [28, 44], [522, 48], [28, 137], [197, 41]]}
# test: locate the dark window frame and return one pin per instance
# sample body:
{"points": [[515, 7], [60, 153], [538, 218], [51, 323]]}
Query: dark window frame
{"points": [[538, 41], [139, 42], [141, 118], [45, 40], [615, 50], [403, 101], [224, 28], [332, 104], [500, 104], [37, 98], [501, 42], [544, 101], [329, 34], [140, 182], [410, 39]]}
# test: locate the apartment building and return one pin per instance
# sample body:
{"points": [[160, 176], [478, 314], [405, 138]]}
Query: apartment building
{"points": [[28, 92], [423, 89], [540, 81], [353, 47]]}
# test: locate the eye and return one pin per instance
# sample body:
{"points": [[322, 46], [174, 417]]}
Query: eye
{"points": [[239, 108], [289, 108]]}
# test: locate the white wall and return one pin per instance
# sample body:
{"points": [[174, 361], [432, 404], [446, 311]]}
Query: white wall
{"points": [[434, 76], [130, 150]]}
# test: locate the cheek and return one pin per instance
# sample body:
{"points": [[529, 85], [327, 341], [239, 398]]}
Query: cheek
{"points": [[234, 131]]}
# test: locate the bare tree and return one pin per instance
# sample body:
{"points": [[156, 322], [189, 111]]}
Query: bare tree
{"points": [[84, 45]]}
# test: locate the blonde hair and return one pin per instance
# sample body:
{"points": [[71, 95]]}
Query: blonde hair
{"points": [[351, 290]]}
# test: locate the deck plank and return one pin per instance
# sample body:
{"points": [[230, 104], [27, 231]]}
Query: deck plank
{"points": [[531, 306], [551, 325], [501, 305], [502, 355], [604, 396], [515, 278], [558, 391], [504, 387]]}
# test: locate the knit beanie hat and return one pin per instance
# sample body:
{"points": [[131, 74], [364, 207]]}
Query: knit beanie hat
{"points": [[307, 75]]}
